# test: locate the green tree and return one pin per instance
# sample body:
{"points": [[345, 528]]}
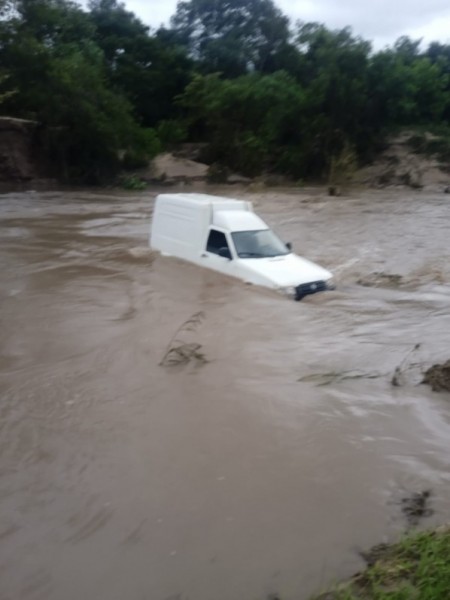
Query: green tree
{"points": [[406, 87], [335, 74], [61, 82], [232, 36], [148, 70], [250, 122], [264, 97], [439, 55]]}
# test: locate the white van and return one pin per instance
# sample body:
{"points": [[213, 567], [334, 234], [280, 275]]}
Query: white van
{"points": [[227, 236]]}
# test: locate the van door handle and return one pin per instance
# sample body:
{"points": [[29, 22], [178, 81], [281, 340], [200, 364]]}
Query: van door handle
{"points": [[204, 256]]}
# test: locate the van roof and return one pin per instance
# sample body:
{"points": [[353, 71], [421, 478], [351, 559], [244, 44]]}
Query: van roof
{"points": [[200, 198], [238, 220]]}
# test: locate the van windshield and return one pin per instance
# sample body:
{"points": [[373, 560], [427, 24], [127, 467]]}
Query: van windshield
{"points": [[258, 244]]}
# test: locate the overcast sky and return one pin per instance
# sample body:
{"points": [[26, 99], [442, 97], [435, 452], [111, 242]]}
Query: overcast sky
{"points": [[381, 21]]}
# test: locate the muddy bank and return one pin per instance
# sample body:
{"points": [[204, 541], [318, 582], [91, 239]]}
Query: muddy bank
{"points": [[183, 167], [23, 164], [17, 150], [171, 169], [400, 164], [251, 450], [416, 567]]}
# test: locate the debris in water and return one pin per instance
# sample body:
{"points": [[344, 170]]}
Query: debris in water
{"points": [[334, 190], [438, 376], [416, 507], [183, 354], [322, 379], [395, 381], [141, 252], [385, 280], [179, 352], [398, 377]]}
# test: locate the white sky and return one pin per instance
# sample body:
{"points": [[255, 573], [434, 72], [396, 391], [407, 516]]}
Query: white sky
{"points": [[380, 21]]}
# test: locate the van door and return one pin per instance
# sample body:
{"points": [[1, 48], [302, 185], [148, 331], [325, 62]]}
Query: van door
{"points": [[218, 243]]}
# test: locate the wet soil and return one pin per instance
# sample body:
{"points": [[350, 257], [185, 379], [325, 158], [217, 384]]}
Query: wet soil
{"points": [[250, 453]]}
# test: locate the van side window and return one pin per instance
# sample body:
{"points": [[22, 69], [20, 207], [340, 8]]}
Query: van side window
{"points": [[216, 241]]}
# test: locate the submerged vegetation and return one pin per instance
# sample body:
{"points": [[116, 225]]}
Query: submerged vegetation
{"points": [[261, 93], [181, 352]]}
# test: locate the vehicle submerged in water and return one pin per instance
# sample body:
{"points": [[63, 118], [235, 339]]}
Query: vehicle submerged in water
{"points": [[227, 236]]}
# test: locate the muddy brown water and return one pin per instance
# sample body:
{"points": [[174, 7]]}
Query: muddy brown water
{"points": [[265, 470]]}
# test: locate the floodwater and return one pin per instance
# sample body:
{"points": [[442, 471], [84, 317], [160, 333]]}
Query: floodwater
{"points": [[266, 469]]}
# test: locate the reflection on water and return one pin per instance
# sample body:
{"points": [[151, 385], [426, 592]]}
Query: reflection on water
{"points": [[261, 469]]}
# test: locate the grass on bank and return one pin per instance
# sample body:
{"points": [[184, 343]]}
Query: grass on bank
{"points": [[417, 568]]}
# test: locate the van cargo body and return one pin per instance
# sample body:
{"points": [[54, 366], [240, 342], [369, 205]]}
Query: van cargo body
{"points": [[227, 236]]}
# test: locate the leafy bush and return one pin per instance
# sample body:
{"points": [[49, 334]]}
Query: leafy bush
{"points": [[343, 167], [145, 146], [218, 173], [133, 183], [246, 120], [171, 133]]}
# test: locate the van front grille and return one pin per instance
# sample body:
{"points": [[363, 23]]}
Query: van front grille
{"points": [[306, 289]]}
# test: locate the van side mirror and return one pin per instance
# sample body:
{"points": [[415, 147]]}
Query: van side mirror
{"points": [[225, 253], [289, 246]]}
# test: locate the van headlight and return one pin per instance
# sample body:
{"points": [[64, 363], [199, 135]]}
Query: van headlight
{"points": [[291, 290]]}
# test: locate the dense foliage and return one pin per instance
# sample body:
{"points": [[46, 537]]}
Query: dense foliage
{"points": [[264, 94]]}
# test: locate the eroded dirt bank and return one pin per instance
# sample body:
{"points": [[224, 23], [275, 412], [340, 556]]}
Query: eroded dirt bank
{"points": [[264, 468]]}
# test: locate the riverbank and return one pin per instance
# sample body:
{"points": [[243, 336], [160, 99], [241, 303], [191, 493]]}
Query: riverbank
{"points": [[418, 567], [409, 161]]}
